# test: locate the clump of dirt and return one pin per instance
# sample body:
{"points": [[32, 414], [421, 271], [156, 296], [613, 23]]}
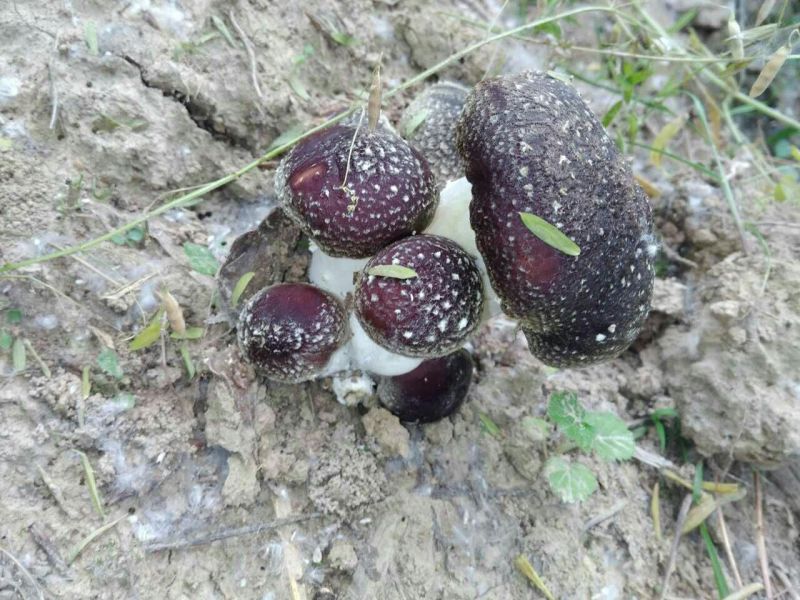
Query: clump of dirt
{"points": [[730, 373]]}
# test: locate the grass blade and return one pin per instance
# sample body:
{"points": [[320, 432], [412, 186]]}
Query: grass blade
{"points": [[526, 568], [716, 565], [550, 234], [393, 271], [240, 287], [81, 546], [91, 483]]}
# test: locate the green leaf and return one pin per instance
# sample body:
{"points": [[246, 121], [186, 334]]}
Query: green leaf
{"points": [[682, 21], [417, 119], [572, 482], [135, 234], [107, 360], [5, 144], [662, 413], [124, 401], [550, 234], [150, 334], [565, 411], [86, 383], [298, 88], [551, 28], [240, 287], [394, 271], [18, 356], [716, 563], [612, 438], [661, 432], [191, 333], [608, 118], [343, 39], [91, 483], [223, 29], [308, 52], [187, 361], [201, 259], [488, 425], [287, 136], [14, 316], [5, 340], [90, 37]]}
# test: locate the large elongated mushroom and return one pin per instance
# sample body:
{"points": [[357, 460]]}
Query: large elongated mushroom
{"points": [[531, 146]]}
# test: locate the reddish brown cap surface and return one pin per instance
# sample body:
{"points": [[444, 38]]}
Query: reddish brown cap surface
{"points": [[388, 191]]}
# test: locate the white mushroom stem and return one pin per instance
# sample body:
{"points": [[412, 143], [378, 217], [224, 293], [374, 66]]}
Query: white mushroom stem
{"points": [[452, 221], [360, 352], [336, 275]]}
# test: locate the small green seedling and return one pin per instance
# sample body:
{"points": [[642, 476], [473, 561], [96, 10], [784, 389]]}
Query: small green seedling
{"points": [[201, 259], [294, 82], [172, 313], [599, 432], [108, 361]]}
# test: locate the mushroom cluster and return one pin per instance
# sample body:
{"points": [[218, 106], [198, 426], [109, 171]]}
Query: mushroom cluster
{"points": [[548, 225]]}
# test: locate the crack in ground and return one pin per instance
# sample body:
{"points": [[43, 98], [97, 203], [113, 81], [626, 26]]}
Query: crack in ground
{"points": [[198, 112]]}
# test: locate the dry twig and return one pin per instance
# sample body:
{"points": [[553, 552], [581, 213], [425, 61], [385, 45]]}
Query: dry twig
{"points": [[761, 543], [248, 45], [726, 543], [203, 538], [673, 555]]}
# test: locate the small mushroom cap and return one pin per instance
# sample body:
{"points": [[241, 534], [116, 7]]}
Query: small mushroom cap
{"points": [[432, 391], [429, 125], [531, 145], [429, 314], [289, 331], [388, 191]]}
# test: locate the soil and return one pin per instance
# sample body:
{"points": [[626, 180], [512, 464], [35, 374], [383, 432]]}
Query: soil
{"points": [[228, 486]]}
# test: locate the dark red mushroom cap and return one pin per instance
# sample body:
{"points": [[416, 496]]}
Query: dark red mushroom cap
{"points": [[289, 331], [388, 191], [429, 125], [432, 391], [429, 314], [531, 145]]}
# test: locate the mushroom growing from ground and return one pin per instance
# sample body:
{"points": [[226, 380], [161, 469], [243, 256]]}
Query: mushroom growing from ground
{"points": [[432, 391], [429, 125], [548, 217], [354, 189], [421, 296], [539, 160], [290, 331]]}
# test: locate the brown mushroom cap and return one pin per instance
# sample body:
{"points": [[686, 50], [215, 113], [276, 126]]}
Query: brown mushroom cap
{"points": [[289, 331], [429, 125], [429, 314], [354, 191], [531, 145]]}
